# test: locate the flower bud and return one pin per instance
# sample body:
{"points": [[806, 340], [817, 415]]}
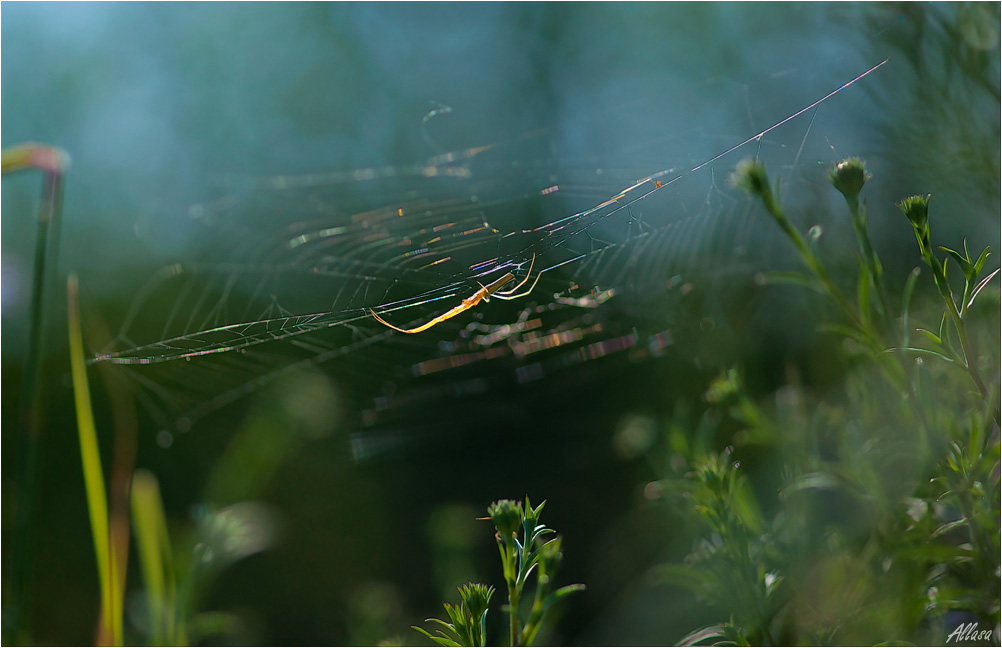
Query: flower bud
{"points": [[916, 208], [751, 176], [477, 598], [849, 176], [506, 515]]}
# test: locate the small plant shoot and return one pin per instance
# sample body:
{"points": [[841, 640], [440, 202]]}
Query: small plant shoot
{"points": [[529, 552]]}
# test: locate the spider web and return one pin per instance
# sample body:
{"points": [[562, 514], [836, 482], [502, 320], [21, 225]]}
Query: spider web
{"points": [[292, 265]]}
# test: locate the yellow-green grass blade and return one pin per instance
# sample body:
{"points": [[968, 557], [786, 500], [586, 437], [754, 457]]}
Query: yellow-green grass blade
{"points": [[97, 501], [155, 556]]}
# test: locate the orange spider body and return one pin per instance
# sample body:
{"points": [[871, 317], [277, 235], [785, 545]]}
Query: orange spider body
{"points": [[484, 294]]}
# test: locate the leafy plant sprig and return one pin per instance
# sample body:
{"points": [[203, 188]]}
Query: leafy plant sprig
{"points": [[872, 332], [519, 535], [933, 537], [469, 618], [916, 208]]}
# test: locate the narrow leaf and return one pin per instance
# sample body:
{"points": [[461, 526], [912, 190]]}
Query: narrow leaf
{"points": [[943, 331], [709, 633], [946, 527], [982, 284], [932, 336], [980, 263], [154, 554], [561, 593], [930, 352], [964, 264], [97, 500]]}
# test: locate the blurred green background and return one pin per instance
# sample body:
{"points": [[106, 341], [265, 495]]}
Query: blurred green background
{"points": [[159, 105]]}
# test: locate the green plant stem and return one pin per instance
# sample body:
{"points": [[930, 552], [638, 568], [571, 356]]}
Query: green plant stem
{"points": [[513, 596], [536, 615], [812, 262], [511, 580], [873, 265], [53, 162]]}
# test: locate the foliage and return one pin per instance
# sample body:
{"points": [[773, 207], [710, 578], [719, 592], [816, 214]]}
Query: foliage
{"points": [[468, 625], [521, 555], [886, 524], [222, 535]]}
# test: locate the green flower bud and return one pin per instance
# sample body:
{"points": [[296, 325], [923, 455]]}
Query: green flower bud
{"points": [[916, 208], [750, 175], [506, 515], [477, 598], [849, 176]]}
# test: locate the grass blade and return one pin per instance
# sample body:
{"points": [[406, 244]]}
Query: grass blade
{"points": [[155, 557], [53, 163], [97, 501]]}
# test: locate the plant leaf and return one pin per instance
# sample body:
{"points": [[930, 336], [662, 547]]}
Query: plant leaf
{"points": [[932, 336], [154, 548], [707, 634], [981, 285], [964, 264], [946, 527], [90, 456], [929, 352], [980, 263], [561, 593]]}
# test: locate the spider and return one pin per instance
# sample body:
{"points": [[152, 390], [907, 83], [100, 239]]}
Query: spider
{"points": [[484, 294]]}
